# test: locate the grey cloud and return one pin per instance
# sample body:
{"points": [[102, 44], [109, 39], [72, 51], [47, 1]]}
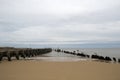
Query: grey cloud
{"points": [[96, 17], [64, 20]]}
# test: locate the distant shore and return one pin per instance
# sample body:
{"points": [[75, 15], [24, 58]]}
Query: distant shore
{"points": [[43, 70]]}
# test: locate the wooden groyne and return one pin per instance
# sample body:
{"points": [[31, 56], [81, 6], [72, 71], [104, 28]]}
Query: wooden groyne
{"points": [[93, 56], [21, 52]]}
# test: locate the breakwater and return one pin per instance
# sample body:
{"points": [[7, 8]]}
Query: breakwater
{"points": [[93, 56], [18, 53]]}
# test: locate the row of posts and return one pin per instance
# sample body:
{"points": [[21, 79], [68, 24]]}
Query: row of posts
{"points": [[22, 52]]}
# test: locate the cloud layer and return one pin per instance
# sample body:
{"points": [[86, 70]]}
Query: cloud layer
{"points": [[84, 21]]}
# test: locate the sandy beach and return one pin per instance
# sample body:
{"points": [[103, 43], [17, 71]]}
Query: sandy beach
{"points": [[44, 70]]}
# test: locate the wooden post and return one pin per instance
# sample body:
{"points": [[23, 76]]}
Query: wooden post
{"points": [[8, 56], [17, 55], [1, 56]]}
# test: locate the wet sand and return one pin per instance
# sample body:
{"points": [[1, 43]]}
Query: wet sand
{"points": [[44, 70]]}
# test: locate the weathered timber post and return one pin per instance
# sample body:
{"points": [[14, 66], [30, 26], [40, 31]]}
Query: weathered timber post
{"points": [[8, 55], [1, 55], [17, 54]]}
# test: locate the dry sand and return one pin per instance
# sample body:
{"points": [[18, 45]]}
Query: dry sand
{"points": [[43, 70]]}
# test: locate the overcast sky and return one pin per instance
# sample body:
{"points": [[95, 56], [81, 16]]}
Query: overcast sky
{"points": [[60, 20]]}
